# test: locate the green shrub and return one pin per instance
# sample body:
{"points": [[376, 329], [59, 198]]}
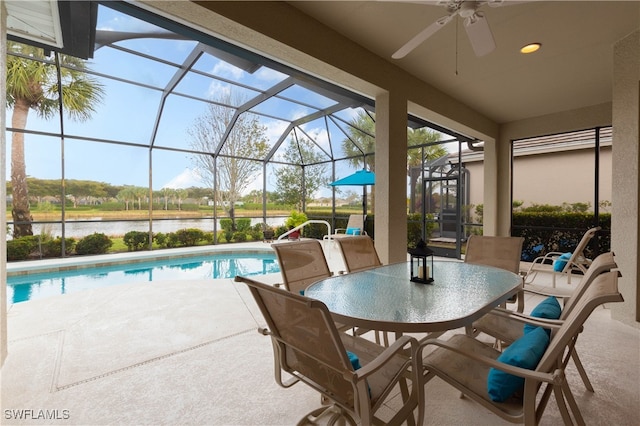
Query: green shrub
{"points": [[295, 219], [208, 237], [189, 237], [172, 240], [53, 247], [19, 249], [136, 240], [226, 224], [414, 229], [160, 239], [256, 232], [239, 237], [95, 243], [243, 224], [280, 230]]}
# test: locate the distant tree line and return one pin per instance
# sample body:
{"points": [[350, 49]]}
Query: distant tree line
{"points": [[92, 193]]}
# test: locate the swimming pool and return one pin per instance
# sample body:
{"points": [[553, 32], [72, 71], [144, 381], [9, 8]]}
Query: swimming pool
{"points": [[21, 288]]}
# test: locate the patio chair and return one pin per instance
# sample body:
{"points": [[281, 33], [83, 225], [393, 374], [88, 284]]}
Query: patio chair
{"points": [[508, 388], [354, 375], [359, 254], [355, 226], [558, 263], [301, 263], [500, 252], [508, 326]]}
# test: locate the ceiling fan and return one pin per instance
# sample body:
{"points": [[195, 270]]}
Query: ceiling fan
{"points": [[475, 24]]}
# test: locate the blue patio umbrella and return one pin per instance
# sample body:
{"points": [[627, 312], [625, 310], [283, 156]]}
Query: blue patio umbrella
{"points": [[360, 178]]}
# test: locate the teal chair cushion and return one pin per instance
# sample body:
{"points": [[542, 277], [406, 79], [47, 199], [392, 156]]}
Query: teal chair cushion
{"points": [[561, 262], [355, 361], [525, 352], [353, 231], [549, 308]]}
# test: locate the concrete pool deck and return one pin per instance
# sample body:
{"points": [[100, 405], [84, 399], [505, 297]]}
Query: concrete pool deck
{"points": [[187, 352]]}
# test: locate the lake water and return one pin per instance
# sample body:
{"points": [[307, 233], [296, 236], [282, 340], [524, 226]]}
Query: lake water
{"points": [[79, 229]]}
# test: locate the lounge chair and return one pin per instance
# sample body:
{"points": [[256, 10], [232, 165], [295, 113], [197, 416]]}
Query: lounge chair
{"points": [[558, 263], [354, 376], [355, 226], [478, 370], [508, 326]]}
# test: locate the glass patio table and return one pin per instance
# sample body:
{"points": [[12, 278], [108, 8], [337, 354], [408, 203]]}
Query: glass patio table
{"points": [[384, 298]]}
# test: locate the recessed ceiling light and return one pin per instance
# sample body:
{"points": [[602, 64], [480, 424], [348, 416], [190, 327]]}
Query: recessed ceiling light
{"points": [[530, 48]]}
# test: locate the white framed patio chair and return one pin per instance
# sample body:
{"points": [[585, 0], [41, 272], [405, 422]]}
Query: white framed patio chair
{"points": [[500, 252], [301, 263], [466, 363], [355, 226], [508, 326], [359, 254], [558, 263], [354, 375]]}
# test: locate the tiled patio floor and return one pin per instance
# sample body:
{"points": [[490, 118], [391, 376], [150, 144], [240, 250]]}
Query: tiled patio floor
{"points": [[188, 353]]}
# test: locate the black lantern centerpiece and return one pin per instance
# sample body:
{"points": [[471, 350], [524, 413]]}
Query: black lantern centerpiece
{"points": [[421, 263]]}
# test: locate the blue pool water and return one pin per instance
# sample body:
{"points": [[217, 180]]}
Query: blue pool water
{"points": [[223, 265]]}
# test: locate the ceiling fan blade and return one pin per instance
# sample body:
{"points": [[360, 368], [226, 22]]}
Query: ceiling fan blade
{"points": [[480, 34], [422, 36]]}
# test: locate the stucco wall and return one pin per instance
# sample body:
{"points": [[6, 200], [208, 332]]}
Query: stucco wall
{"points": [[551, 178]]}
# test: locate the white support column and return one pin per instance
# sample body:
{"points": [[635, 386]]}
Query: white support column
{"points": [[391, 178], [625, 224], [491, 196], [3, 185]]}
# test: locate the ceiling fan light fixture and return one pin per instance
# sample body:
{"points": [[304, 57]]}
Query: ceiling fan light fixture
{"points": [[530, 48]]}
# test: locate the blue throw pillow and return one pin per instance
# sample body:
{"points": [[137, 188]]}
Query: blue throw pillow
{"points": [[355, 361], [549, 308], [561, 262], [353, 231], [526, 352]]}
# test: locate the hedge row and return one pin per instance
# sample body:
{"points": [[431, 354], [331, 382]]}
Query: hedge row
{"points": [[33, 246], [545, 232]]}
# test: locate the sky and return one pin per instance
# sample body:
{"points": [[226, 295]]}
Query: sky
{"points": [[127, 113]]}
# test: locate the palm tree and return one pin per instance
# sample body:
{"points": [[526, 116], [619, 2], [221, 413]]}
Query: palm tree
{"points": [[361, 140], [415, 157], [32, 83]]}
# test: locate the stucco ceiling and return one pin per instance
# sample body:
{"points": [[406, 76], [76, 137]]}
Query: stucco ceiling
{"points": [[573, 69]]}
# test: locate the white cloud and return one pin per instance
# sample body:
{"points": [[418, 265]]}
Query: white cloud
{"points": [[186, 179], [275, 128], [267, 74], [224, 69], [218, 90]]}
